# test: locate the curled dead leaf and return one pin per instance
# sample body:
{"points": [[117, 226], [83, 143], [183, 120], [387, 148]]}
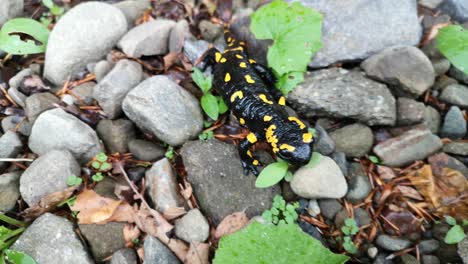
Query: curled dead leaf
{"points": [[198, 253], [231, 224], [130, 232], [48, 203], [173, 212]]}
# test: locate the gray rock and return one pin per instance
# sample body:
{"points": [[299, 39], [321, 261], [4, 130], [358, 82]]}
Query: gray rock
{"points": [[455, 94], [56, 129], [51, 239], [329, 207], [408, 259], [372, 252], [441, 66], [9, 190], [428, 246], [442, 82], [380, 24], [458, 74], [457, 9], [210, 31], [47, 174], [133, 9], [354, 140], [415, 144], [11, 122], [432, 4], [157, 252], [457, 148], [17, 96], [10, 146], [84, 92], [83, 35], [192, 227], [358, 184], [16, 80], [10, 9], [449, 162], [409, 111], [162, 107], [102, 68], [194, 49], [404, 68], [340, 159], [178, 35], [432, 119], [463, 249], [219, 182], [161, 184], [454, 124], [392, 243], [382, 259], [448, 253], [104, 239], [324, 144], [341, 93], [429, 259], [145, 150], [38, 103], [116, 134], [106, 188], [111, 91], [147, 39], [124, 256], [313, 208], [315, 182]]}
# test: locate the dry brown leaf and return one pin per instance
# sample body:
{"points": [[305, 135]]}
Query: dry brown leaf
{"points": [[447, 193], [147, 223], [385, 173], [95, 209], [130, 232], [173, 212], [231, 224], [48, 203], [409, 192], [198, 253]]}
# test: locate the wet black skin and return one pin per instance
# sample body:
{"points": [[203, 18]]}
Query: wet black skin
{"points": [[260, 98]]}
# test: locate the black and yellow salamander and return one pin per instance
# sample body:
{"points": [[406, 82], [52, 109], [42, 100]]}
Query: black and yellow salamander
{"points": [[248, 89]]}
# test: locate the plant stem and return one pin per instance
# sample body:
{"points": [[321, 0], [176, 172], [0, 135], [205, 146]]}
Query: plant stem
{"points": [[11, 221]]}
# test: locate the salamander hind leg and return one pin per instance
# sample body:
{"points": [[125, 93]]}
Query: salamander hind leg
{"points": [[249, 163]]}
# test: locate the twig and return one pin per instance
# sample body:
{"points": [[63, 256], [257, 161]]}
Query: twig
{"points": [[15, 160]]}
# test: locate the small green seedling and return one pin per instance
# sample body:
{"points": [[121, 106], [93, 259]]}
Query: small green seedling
{"points": [[7, 237], [456, 233], [211, 105], [55, 11], [349, 229], [74, 180], [281, 212], [100, 162], [98, 177], [374, 159], [206, 135], [170, 153]]}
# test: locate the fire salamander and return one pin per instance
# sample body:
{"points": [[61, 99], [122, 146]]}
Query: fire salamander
{"points": [[248, 89]]}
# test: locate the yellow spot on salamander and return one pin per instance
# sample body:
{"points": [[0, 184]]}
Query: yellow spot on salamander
{"points": [[265, 99], [299, 122], [307, 137], [251, 137], [252, 61], [242, 121], [249, 153], [282, 101], [229, 39], [217, 56], [288, 147], [237, 94], [242, 43], [271, 137], [255, 162], [222, 60], [249, 79], [242, 65], [227, 77], [239, 56], [267, 118], [230, 44]]}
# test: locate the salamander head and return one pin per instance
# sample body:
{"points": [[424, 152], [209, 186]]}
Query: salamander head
{"points": [[295, 152]]}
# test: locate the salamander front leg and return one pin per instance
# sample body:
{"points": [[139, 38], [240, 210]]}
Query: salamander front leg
{"points": [[248, 161], [207, 59]]}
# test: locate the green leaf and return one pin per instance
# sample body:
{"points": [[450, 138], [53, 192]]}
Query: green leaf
{"points": [[102, 157], [257, 244], [452, 42], [289, 81], [10, 41], [374, 159], [48, 3], [295, 30], [96, 165], [454, 235], [170, 152], [271, 174], [349, 246], [74, 180], [98, 177], [209, 104], [465, 223], [204, 83], [18, 257], [316, 157], [289, 176], [105, 166], [450, 220], [222, 107], [57, 10]]}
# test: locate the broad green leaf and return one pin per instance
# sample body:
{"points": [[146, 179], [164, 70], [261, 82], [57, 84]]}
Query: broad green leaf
{"points": [[450, 220], [18, 257], [452, 41], [222, 107], [289, 81], [295, 30], [204, 83], [14, 45], [258, 244], [48, 3], [272, 174], [316, 157], [454, 235], [374, 159], [209, 104]]}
